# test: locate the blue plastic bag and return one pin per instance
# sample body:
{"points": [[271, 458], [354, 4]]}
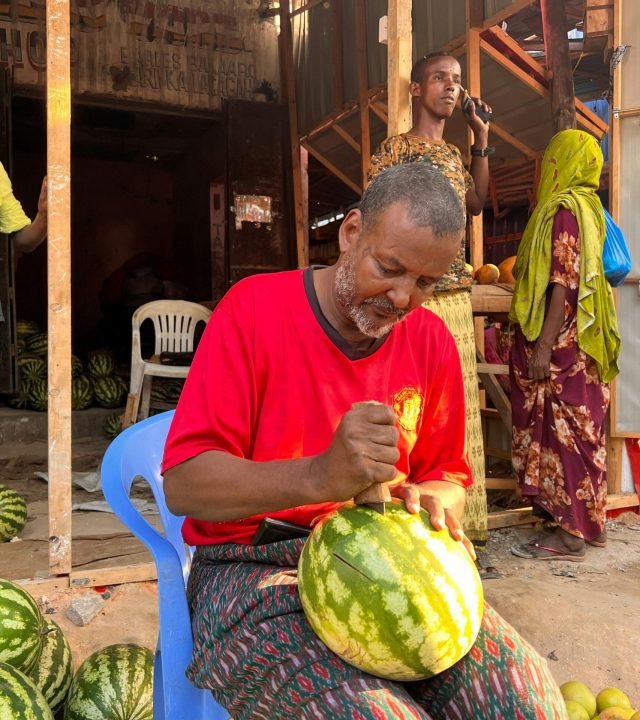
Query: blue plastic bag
{"points": [[615, 253]]}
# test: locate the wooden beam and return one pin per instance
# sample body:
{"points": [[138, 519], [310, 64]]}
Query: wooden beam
{"points": [[495, 392], [303, 8], [556, 43], [517, 72], [622, 500], [338, 55], [113, 575], [59, 283], [341, 132], [492, 483], [399, 54], [493, 368], [330, 166], [507, 12], [363, 91], [289, 91], [304, 178], [509, 518], [509, 138], [474, 88], [380, 111]]}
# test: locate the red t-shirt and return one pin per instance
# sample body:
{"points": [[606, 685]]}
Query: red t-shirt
{"points": [[271, 380]]}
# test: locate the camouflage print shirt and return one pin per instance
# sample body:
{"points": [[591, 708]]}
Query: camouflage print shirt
{"points": [[447, 158]]}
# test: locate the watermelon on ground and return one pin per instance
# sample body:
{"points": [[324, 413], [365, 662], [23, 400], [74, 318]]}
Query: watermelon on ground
{"points": [[24, 328], [32, 367], [100, 364], [38, 394], [37, 344], [109, 391], [22, 627], [20, 699], [76, 366], [21, 345], [81, 392], [53, 671], [13, 513], [114, 682], [20, 401], [389, 594], [113, 424]]}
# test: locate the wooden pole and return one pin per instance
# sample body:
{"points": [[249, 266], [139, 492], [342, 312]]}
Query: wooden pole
{"points": [[289, 90], [59, 284], [556, 43], [363, 90], [399, 55], [338, 56]]}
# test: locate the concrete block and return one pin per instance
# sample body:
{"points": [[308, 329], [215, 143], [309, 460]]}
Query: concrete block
{"points": [[84, 608]]}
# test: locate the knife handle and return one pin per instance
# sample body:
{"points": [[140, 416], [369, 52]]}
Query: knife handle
{"points": [[376, 493]]}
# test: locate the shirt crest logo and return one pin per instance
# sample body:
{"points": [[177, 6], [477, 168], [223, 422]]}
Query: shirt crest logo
{"points": [[407, 405]]}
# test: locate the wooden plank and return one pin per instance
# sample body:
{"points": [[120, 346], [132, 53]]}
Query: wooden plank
{"points": [[622, 500], [502, 41], [492, 483], [363, 91], [289, 90], [507, 12], [304, 179], [399, 56], [346, 137], [495, 392], [474, 13], [556, 43], [59, 283], [615, 449], [493, 368], [113, 575], [338, 55], [330, 166], [37, 587], [510, 518], [509, 138]]}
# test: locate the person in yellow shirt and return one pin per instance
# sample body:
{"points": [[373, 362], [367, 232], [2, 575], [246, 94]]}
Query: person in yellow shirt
{"points": [[27, 235]]}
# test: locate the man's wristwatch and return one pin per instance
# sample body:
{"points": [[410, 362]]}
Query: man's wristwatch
{"points": [[482, 152]]}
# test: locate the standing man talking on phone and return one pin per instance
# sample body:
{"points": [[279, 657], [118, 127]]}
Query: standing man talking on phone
{"points": [[435, 91]]}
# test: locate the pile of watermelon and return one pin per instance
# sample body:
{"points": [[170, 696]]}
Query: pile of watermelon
{"points": [[93, 384], [36, 671], [13, 513]]}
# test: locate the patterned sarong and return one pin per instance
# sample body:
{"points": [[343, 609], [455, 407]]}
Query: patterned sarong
{"points": [[255, 650], [454, 308]]}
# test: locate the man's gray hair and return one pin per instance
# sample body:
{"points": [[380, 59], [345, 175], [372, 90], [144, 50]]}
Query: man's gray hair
{"points": [[429, 196]]}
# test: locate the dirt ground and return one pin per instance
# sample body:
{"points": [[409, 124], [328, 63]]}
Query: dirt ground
{"points": [[583, 618]]}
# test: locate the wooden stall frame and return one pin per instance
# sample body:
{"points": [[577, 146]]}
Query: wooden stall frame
{"points": [[59, 283]]}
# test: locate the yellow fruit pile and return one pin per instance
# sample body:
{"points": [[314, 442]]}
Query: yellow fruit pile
{"points": [[608, 704], [489, 273]]}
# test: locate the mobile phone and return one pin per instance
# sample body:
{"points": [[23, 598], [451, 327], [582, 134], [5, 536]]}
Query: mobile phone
{"points": [[483, 114], [273, 530]]}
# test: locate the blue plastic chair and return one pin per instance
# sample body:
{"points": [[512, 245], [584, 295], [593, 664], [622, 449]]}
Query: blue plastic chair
{"points": [[138, 452]]}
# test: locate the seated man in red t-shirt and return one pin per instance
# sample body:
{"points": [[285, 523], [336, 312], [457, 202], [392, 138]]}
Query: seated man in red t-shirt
{"points": [[265, 427]]}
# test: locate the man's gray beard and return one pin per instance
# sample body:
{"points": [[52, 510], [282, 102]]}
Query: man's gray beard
{"points": [[345, 289]]}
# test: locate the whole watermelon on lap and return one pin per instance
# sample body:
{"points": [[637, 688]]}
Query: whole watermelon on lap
{"points": [[114, 682], [20, 699], [53, 671], [22, 628], [389, 594], [13, 513]]}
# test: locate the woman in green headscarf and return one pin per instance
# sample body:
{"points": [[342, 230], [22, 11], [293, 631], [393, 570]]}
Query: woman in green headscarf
{"points": [[564, 352]]}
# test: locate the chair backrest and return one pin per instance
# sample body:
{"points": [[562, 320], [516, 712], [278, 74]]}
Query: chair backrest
{"points": [[174, 324], [137, 452]]}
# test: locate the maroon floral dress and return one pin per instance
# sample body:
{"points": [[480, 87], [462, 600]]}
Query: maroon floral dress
{"points": [[559, 452]]}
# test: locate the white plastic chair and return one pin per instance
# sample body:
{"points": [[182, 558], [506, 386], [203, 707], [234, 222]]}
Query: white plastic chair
{"points": [[174, 324]]}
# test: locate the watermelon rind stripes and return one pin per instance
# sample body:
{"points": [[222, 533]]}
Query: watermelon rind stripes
{"points": [[114, 682], [100, 365], [13, 513], [389, 594], [53, 672], [22, 627], [20, 699]]}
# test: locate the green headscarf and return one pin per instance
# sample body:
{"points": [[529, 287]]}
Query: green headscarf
{"points": [[569, 178]]}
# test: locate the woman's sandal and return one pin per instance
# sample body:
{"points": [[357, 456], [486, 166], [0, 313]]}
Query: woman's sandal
{"points": [[533, 551]]}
